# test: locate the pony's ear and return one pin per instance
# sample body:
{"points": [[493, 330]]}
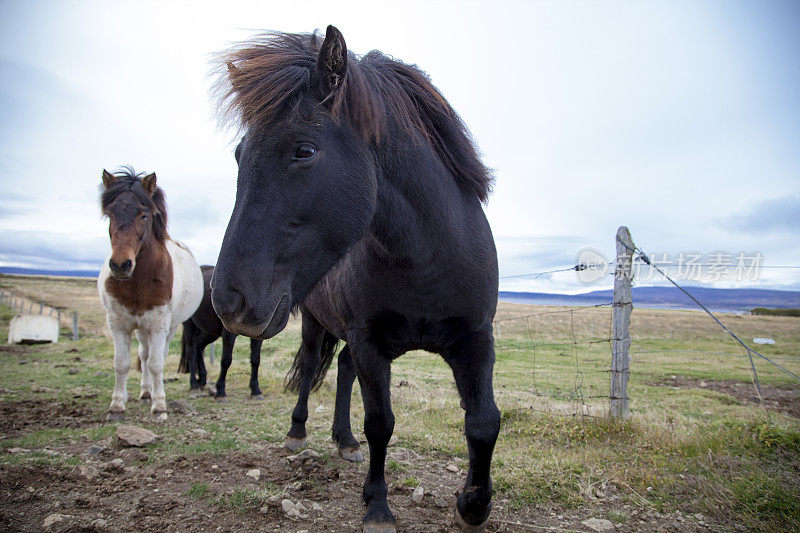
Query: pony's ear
{"points": [[332, 60], [149, 183], [108, 178]]}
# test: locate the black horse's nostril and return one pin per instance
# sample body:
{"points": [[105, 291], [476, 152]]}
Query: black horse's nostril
{"points": [[227, 302]]}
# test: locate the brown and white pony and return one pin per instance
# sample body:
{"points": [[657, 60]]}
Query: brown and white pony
{"points": [[150, 284]]}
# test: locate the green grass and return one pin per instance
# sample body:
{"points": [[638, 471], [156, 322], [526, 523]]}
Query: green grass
{"points": [[689, 449]]}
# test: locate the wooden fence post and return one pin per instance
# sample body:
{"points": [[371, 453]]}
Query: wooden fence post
{"points": [[621, 317], [74, 325]]}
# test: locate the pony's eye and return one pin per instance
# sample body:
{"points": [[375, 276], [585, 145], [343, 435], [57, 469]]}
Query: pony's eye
{"points": [[144, 216], [304, 151]]}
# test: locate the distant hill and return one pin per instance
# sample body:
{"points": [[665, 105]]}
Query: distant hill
{"points": [[669, 298], [42, 272]]}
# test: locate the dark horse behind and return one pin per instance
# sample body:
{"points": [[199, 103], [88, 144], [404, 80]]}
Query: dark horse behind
{"points": [[203, 328], [359, 202]]}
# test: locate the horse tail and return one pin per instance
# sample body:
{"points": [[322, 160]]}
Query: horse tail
{"points": [[295, 374], [183, 364]]}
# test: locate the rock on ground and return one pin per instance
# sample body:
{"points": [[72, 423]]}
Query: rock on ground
{"points": [[255, 474], [135, 436], [600, 525], [53, 519], [418, 494]]}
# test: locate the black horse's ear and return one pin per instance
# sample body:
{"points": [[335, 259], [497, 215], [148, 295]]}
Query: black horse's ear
{"points": [[149, 183], [108, 178], [332, 60]]}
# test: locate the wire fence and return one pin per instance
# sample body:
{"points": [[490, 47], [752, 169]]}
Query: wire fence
{"points": [[548, 361]]}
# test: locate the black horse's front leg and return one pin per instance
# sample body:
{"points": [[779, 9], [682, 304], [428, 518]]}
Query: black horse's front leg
{"points": [[228, 341], [373, 371], [472, 362], [305, 364], [341, 431], [255, 361]]}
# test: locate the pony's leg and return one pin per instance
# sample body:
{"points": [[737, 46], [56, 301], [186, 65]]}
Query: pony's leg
{"points": [[312, 334], [341, 431], [472, 361], [122, 365], [199, 343], [158, 349], [146, 385], [228, 341], [373, 370], [255, 362]]}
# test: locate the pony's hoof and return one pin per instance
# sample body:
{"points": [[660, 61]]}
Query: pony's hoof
{"points": [[144, 396], [469, 528], [351, 454], [115, 417], [380, 527], [294, 444], [212, 390], [257, 397], [159, 417], [221, 399]]}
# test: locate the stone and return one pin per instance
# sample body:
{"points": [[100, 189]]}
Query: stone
{"points": [[297, 485], [180, 406], [100, 523], [53, 519], [254, 474], [88, 471], [316, 507], [452, 468], [94, 449], [302, 456], [600, 525], [440, 502], [135, 436], [18, 450], [418, 494], [264, 509], [73, 371], [116, 465]]}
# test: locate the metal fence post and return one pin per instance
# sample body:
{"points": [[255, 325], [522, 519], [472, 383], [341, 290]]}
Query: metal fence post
{"points": [[74, 325], [621, 318]]}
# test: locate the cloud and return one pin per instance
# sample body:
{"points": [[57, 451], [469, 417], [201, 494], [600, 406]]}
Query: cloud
{"points": [[52, 250], [768, 216]]}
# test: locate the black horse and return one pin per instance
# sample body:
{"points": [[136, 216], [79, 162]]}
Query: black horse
{"points": [[203, 328], [359, 202]]}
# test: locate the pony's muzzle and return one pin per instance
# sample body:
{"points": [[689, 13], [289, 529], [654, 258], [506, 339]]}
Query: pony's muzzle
{"points": [[240, 318], [122, 270]]}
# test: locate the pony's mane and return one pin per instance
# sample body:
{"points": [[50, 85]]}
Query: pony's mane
{"points": [[130, 180], [272, 75]]}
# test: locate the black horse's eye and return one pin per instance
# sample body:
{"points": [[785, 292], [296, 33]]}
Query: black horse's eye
{"points": [[144, 216], [304, 151]]}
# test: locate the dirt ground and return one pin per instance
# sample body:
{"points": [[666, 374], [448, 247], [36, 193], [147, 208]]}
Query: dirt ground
{"points": [[115, 488], [783, 399]]}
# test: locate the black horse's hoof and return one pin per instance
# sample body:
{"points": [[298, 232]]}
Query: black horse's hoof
{"points": [[256, 396], [469, 528], [221, 399], [379, 527], [294, 444], [351, 454], [115, 417], [212, 390]]}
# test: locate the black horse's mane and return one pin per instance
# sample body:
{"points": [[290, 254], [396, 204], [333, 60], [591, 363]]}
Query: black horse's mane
{"points": [[130, 180], [274, 73]]}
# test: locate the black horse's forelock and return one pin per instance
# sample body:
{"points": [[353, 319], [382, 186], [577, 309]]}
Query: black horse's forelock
{"points": [[127, 179], [273, 74]]}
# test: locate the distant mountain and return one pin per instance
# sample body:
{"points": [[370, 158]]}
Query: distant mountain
{"points": [[42, 272], [669, 297]]}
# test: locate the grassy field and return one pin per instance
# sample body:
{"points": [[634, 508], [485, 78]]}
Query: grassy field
{"points": [[699, 451]]}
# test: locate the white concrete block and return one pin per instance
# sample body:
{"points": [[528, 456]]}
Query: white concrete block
{"points": [[32, 328]]}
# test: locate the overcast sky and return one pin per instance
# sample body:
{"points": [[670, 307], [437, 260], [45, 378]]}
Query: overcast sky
{"points": [[678, 119]]}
